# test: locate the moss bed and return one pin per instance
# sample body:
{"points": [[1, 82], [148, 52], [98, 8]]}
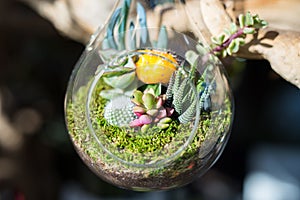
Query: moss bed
{"points": [[134, 148]]}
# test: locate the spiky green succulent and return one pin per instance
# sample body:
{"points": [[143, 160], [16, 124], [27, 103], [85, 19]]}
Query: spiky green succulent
{"points": [[183, 97]]}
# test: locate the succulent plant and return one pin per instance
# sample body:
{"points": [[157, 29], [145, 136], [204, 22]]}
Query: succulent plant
{"points": [[119, 111], [147, 107], [149, 110], [229, 42], [145, 65], [120, 75], [184, 98]]}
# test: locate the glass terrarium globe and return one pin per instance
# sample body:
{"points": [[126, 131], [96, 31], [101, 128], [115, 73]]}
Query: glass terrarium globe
{"points": [[148, 107]]}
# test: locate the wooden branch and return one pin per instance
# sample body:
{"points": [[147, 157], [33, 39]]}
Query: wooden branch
{"points": [[280, 47], [279, 44], [76, 19]]}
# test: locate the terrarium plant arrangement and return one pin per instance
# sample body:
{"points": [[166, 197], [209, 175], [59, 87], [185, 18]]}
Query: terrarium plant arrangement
{"points": [[150, 108]]}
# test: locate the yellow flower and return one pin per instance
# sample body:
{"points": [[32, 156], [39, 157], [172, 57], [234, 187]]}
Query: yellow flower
{"points": [[155, 66]]}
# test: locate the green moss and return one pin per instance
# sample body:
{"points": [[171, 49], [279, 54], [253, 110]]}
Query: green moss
{"points": [[135, 147]]}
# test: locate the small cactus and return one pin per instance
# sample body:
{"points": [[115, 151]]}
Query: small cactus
{"points": [[119, 111], [149, 110]]}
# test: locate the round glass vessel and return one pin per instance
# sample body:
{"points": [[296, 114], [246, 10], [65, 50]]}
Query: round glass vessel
{"points": [[148, 107]]}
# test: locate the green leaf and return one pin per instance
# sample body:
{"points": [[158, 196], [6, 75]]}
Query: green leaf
{"points": [[137, 97], [219, 39], [227, 33], [145, 128], [156, 88], [217, 53], [242, 20], [110, 29], [234, 46], [224, 53], [142, 18], [241, 41], [222, 38], [162, 126], [120, 81], [162, 41], [154, 43], [122, 24], [152, 112], [149, 101], [264, 23], [248, 30], [249, 19], [165, 120], [215, 40], [213, 58], [130, 63], [258, 23], [228, 49], [114, 73], [233, 28], [201, 49], [132, 42]]}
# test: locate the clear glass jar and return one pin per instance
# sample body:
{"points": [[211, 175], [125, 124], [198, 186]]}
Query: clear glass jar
{"points": [[148, 107]]}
